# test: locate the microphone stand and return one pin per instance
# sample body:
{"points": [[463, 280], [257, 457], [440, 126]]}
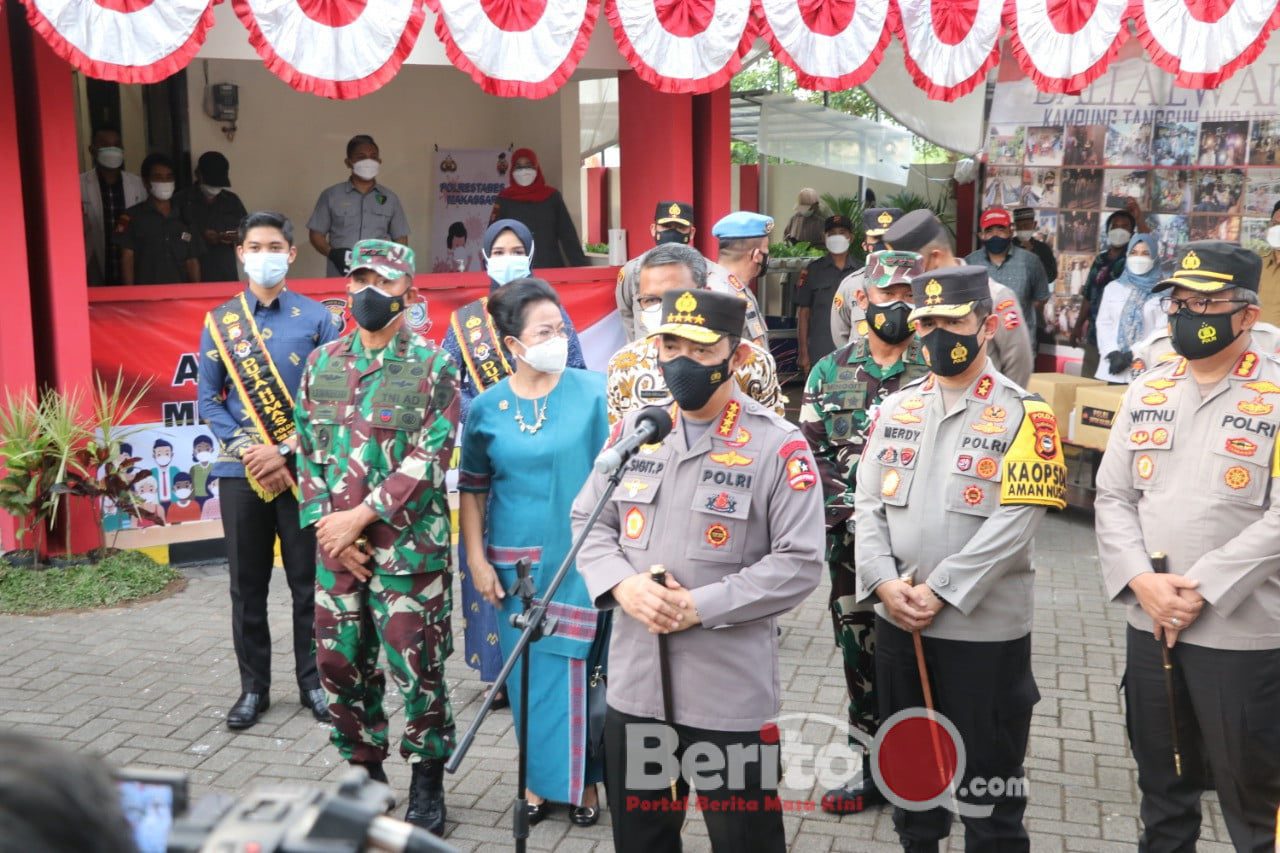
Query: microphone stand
{"points": [[534, 624]]}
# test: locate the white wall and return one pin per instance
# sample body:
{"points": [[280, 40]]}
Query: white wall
{"points": [[290, 145], [785, 183]]}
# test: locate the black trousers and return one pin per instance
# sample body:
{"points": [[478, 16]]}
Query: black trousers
{"points": [[1228, 709], [747, 819], [251, 525], [987, 691]]}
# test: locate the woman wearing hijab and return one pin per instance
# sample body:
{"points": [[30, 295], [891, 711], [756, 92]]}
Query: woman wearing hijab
{"points": [[528, 198], [1129, 312], [474, 344], [528, 447]]}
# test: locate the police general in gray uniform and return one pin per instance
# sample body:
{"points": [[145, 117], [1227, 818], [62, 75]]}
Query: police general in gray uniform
{"points": [[730, 503], [955, 478], [1188, 473], [921, 232]]}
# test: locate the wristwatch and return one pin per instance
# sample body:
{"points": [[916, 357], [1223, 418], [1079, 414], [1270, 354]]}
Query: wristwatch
{"points": [[286, 450]]}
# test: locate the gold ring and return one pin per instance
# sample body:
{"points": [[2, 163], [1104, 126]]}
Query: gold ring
{"points": [[362, 542]]}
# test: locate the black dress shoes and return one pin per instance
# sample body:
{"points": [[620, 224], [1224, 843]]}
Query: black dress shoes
{"points": [[314, 701], [247, 709]]}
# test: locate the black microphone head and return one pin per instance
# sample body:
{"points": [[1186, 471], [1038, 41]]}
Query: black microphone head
{"points": [[660, 418]]}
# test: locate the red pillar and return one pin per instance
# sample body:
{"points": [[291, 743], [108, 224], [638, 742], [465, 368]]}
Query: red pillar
{"points": [[749, 187], [712, 187], [17, 347], [966, 198], [596, 216], [655, 141], [55, 245]]}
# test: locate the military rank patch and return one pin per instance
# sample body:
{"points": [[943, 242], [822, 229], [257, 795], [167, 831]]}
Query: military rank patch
{"points": [[717, 535], [1237, 477], [890, 482], [1145, 467], [633, 524], [800, 476], [863, 328], [838, 302], [973, 495], [1256, 406], [1241, 447]]}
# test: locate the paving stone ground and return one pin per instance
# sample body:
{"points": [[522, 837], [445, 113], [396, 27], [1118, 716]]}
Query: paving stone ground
{"points": [[150, 686]]}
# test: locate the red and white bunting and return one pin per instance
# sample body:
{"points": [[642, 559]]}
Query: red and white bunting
{"points": [[1064, 45], [949, 47], [830, 44], [516, 48], [682, 45], [1203, 42], [333, 48], [129, 41]]}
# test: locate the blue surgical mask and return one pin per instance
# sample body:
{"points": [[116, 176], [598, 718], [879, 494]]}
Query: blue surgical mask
{"points": [[266, 268], [505, 269]]}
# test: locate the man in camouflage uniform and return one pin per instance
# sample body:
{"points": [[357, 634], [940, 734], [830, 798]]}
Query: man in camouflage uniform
{"points": [[843, 390], [377, 415]]}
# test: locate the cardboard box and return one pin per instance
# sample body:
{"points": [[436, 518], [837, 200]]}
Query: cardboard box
{"points": [[1096, 410], [1059, 391]]}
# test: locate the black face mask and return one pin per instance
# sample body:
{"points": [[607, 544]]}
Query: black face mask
{"points": [[889, 321], [764, 263], [671, 235], [692, 384], [1196, 336], [950, 354], [373, 310], [996, 245]]}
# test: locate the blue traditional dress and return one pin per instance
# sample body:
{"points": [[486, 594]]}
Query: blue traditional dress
{"points": [[531, 480], [481, 630]]}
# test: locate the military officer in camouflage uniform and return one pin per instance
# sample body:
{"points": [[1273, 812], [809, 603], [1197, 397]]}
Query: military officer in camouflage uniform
{"points": [[634, 378], [729, 503], [1011, 351], [1191, 471], [377, 415], [957, 474], [843, 389], [844, 305]]}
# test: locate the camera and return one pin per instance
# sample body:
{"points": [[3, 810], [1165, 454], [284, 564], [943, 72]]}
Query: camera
{"points": [[271, 818]]}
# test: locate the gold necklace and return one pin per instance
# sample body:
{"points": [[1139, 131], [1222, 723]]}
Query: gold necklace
{"points": [[539, 418]]}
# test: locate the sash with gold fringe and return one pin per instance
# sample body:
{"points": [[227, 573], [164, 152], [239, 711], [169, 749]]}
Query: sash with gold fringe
{"points": [[481, 348], [267, 401]]}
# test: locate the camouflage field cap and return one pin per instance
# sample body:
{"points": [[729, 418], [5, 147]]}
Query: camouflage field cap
{"points": [[887, 268], [388, 259]]}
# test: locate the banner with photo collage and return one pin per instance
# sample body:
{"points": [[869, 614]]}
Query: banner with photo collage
{"points": [[1200, 164]]}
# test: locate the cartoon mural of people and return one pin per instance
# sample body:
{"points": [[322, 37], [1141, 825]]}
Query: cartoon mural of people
{"points": [[212, 508], [202, 453], [145, 489], [183, 508], [164, 472]]}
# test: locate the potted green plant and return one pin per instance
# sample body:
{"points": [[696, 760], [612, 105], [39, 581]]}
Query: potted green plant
{"points": [[28, 477]]}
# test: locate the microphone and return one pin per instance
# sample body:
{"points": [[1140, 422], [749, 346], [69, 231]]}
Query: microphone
{"points": [[652, 425]]}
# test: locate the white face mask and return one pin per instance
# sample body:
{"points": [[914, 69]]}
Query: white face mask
{"points": [[110, 158], [1024, 236], [549, 356], [211, 192], [1273, 236], [204, 456], [163, 191], [837, 244], [182, 494], [366, 170], [651, 319], [1139, 264], [1119, 237], [267, 269], [524, 177]]}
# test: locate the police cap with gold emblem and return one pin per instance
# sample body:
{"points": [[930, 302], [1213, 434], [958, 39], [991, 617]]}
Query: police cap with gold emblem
{"points": [[885, 269], [385, 257], [702, 316], [876, 219], [1209, 266], [949, 292], [914, 231], [673, 212]]}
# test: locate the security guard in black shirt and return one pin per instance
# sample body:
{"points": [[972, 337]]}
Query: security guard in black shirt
{"points": [[156, 246], [816, 291]]}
